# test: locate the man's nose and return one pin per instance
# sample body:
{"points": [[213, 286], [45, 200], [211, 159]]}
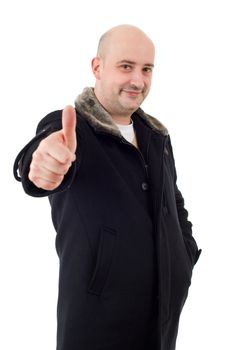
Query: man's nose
{"points": [[136, 80]]}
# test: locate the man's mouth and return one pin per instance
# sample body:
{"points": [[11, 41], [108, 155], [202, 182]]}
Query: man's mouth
{"points": [[132, 92]]}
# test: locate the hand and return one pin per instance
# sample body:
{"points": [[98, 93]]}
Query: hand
{"points": [[55, 154]]}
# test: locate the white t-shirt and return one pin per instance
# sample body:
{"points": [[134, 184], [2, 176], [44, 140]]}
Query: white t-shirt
{"points": [[127, 131]]}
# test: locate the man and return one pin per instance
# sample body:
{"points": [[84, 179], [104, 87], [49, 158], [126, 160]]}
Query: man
{"points": [[123, 238]]}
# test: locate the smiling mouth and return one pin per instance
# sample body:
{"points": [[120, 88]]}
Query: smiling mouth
{"points": [[132, 92]]}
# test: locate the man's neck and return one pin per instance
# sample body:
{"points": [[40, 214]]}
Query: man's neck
{"points": [[122, 120]]}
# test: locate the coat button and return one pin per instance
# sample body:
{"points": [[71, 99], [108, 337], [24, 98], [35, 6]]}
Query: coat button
{"points": [[145, 186]]}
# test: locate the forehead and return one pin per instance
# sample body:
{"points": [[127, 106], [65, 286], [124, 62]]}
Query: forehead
{"points": [[130, 46], [126, 51]]}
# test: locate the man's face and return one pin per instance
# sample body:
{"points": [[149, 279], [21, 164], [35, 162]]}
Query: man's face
{"points": [[124, 74]]}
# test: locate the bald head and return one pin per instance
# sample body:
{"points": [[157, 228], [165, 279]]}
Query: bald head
{"points": [[120, 35], [123, 70]]}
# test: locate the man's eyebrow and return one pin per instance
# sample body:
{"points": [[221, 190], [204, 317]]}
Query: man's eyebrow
{"points": [[149, 65], [132, 62], [126, 61]]}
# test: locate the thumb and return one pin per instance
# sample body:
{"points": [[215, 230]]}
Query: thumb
{"points": [[69, 128]]}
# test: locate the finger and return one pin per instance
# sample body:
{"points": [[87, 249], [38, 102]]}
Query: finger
{"points": [[54, 147], [49, 163], [45, 184], [69, 127], [44, 179]]}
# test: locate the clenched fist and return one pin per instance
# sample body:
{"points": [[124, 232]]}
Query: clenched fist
{"points": [[55, 154]]}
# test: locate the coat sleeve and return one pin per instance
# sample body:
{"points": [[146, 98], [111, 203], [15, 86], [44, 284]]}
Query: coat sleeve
{"points": [[186, 227], [49, 124], [185, 224]]}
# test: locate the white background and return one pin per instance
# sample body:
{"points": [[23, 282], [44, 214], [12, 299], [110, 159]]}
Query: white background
{"points": [[46, 50]]}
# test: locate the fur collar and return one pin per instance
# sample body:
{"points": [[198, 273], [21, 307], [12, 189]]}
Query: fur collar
{"points": [[101, 121]]}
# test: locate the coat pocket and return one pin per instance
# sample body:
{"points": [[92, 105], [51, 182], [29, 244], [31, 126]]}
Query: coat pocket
{"points": [[104, 260]]}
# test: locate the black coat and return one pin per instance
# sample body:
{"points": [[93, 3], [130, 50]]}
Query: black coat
{"points": [[123, 238]]}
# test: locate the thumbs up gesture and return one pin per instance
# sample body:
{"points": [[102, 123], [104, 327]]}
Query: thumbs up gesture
{"points": [[55, 154]]}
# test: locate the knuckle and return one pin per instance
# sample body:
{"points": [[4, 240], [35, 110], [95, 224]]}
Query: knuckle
{"points": [[36, 155], [63, 168], [31, 176], [42, 145], [66, 168]]}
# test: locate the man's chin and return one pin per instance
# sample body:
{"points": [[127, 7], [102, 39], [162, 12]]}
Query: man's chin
{"points": [[132, 105]]}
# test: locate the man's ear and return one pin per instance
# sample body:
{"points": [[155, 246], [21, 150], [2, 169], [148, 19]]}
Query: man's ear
{"points": [[95, 64]]}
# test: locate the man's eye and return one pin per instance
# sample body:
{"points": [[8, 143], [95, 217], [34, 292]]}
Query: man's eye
{"points": [[147, 69], [126, 66]]}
